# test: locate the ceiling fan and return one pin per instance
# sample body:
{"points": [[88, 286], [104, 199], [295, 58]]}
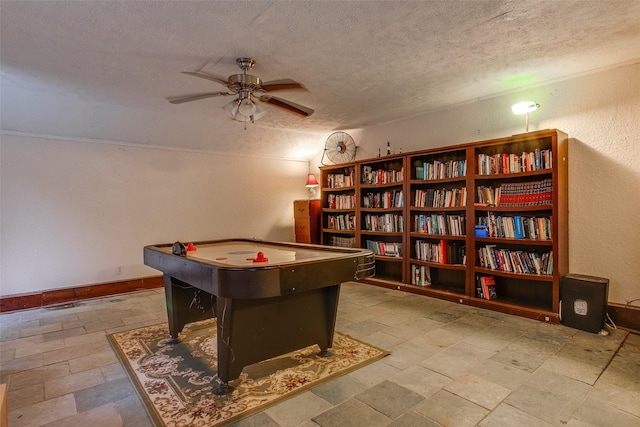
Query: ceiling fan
{"points": [[247, 87]]}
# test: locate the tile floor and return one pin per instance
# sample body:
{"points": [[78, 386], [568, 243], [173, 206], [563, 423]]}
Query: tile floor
{"points": [[450, 365]]}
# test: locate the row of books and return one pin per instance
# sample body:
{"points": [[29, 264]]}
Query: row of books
{"points": [[452, 225], [341, 180], [442, 252], [341, 222], [420, 275], [341, 201], [440, 198], [392, 249], [486, 287], [342, 241], [388, 199], [388, 223], [505, 163], [516, 261], [381, 176], [517, 227], [534, 193], [441, 170]]}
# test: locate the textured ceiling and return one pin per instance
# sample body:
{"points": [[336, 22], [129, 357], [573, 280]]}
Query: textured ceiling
{"points": [[102, 69]]}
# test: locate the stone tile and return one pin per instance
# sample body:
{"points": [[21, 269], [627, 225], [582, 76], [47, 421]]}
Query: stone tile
{"points": [[113, 371], [91, 361], [506, 415], [39, 348], [617, 395], [506, 375], [390, 398], [64, 333], [38, 375], [78, 351], [43, 412], [374, 373], [258, 420], [402, 359], [575, 369], [456, 360], [382, 340], [597, 413], [421, 380], [84, 339], [552, 408], [560, 385], [405, 331], [71, 383], [104, 416], [363, 329], [25, 396], [529, 361], [413, 419], [351, 413], [299, 408], [132, 412], [442, 317], [494, 338], [440, 338], [39, 330], [340, 389], [478, 390], [140, 318], [21, 364], [451, 410], [102, 394]]}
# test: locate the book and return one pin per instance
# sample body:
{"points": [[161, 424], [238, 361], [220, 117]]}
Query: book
{"points": [[488, 287]]}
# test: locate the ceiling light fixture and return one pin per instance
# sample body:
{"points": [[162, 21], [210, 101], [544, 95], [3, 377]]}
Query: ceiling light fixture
{"points": [[243, 109], [525, 108]]}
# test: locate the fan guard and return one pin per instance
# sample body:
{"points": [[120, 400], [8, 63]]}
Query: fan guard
{"points": [[339, 148]]}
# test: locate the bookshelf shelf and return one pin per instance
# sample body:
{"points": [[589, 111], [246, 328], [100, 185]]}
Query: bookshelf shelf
{"points": [[527, 176]]}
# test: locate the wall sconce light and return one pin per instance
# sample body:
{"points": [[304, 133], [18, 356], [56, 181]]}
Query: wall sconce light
{"points": [[525, 108], [312, 184]]}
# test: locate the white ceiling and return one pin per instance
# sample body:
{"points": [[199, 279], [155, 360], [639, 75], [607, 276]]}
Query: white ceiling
{"points": [[102, 69]]}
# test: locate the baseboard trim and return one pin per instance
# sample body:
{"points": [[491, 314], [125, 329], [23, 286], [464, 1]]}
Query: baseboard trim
{"points": [[625, 316], [61, 296]]}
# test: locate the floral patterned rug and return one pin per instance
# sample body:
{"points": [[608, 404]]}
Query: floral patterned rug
{"points": [[175, 382]]}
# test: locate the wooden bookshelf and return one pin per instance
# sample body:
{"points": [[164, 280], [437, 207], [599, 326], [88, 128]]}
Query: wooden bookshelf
{"points": [[515, 186]]}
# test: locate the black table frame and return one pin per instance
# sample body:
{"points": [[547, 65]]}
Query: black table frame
{"points": [[262, 312]]}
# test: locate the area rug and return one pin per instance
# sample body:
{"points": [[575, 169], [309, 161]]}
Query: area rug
{"points": [[175, 382]]}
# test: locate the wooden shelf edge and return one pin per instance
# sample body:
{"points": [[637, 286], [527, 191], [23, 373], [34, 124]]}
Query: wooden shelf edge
{"points": [[518, 310]]}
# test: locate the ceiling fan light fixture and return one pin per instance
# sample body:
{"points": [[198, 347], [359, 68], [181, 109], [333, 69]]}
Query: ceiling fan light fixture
{"points": [[246, 107], [231, 108]]}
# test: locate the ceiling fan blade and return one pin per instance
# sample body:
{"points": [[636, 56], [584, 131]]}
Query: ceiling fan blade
{"points": [[287, 105], [281, 85], [195, 97], [207, 76]]}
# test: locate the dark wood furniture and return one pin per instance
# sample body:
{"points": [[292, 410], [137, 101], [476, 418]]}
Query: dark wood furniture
{"points": [[306, 215], [464, 169], [265, 305]]}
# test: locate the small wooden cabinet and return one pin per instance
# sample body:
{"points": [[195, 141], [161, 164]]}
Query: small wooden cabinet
{"points": [[306, 214]]}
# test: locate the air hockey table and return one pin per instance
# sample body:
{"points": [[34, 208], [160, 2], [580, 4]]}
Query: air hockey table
{"points": [[269, 298]]}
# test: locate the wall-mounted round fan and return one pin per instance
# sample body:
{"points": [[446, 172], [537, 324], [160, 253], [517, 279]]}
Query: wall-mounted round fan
{"points": [[339, 148]]}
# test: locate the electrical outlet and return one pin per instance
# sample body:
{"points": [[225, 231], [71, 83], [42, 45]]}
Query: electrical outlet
{"points": [[118, 271]]}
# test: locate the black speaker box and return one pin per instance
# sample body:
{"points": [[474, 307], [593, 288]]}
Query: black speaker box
{"points": [[583, 302]]}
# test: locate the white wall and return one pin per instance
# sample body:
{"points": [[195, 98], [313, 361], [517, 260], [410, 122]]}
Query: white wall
{"points": [[601, 114], [74, 212]]}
